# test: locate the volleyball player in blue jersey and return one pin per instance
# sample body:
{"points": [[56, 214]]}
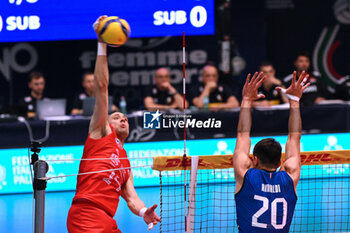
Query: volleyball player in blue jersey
{"points": [[265, 196]]}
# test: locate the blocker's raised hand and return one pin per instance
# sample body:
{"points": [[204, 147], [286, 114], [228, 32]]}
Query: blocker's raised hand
{"points": [[251, 86], [296, 87]]}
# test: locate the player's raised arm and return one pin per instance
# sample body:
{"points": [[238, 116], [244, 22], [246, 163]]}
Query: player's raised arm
{"points": [[241, 160], [294, 92], [137, 206], [98, 124]]}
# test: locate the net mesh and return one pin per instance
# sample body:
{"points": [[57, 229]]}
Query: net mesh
{"points": [[323, 200], [213, 209]]}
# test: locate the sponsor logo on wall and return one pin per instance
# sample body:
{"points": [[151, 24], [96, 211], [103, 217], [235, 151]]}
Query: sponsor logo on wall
{"points": [[9, 60], [328, 50]]}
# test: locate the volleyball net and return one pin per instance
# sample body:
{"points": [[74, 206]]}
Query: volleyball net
{"points": [[323, 193]]}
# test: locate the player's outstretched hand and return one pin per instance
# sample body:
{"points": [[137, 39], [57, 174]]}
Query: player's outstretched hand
{"points": [[297, 87], [150, 217], [96, 23], [250, 88]]}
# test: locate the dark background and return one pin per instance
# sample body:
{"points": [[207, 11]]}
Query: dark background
{"points": [[274, 30]]}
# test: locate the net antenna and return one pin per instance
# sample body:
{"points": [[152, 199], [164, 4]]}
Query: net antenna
{"points": [[189, 216], [184, 159]]}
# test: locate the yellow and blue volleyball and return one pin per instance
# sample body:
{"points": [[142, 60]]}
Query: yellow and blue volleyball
{"points": [[114, 31]]}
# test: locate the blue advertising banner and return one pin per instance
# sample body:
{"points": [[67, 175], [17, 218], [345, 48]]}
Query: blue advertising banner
{"points": [[15, 176], [38, 20]]}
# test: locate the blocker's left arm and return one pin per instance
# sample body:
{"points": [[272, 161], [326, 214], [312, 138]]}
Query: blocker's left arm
{"points": [[137, 206], [292, 163]]}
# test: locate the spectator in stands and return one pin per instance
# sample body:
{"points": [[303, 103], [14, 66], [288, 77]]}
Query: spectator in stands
{"points": [[217, 96], [162, 95], [316, 91], [88, 85], [36, 85], [272, 96]]}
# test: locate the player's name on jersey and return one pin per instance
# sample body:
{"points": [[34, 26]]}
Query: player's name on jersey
{"points": [[271, 188]]}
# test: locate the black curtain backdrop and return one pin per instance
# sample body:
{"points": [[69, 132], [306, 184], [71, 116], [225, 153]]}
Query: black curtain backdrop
{"points": [[274, 30]]}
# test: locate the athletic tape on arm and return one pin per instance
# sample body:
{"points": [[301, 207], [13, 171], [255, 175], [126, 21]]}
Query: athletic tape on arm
{"points": [[101, 49], [291, 97]]}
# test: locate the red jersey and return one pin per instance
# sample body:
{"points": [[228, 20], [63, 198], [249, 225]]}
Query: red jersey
{"points": [[103, 188]]}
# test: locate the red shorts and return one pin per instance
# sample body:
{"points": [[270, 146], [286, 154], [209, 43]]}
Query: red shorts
{"points": [[86, 217]]}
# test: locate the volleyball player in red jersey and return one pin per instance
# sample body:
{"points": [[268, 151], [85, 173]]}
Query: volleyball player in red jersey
{"points": [[97, 195]]}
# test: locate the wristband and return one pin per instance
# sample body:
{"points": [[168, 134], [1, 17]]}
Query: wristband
{"points": [[141, 214], [290, 97], [142, 211], [101, 49]]}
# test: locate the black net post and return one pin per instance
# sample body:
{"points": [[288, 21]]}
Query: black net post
{"points": [[39, 186]]}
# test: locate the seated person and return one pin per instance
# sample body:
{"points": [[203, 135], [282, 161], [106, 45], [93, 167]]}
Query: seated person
{"points": [[162, 95], [315, 92], [220, 96], [36, 85], [88, 85], [272, 97]]}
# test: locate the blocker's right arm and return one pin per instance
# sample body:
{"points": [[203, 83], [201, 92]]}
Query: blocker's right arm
{"points": [[292, 163], [99, 124]]}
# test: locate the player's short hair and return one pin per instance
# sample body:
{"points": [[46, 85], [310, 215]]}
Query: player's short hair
{"points": [[303, 54], [266, 63], [89, 72], [268, 151], [35, 75]]}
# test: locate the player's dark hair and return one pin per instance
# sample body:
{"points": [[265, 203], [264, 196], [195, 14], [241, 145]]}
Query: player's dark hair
{"points": [[35, 75], [85, 74], [266, 63], [303, 54], [268, 151]]}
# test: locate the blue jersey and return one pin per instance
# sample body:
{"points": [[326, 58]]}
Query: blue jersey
{"points": [[265, 202]]}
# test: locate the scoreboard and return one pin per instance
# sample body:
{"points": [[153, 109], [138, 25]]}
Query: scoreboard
{"points": [[43, 20]]}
